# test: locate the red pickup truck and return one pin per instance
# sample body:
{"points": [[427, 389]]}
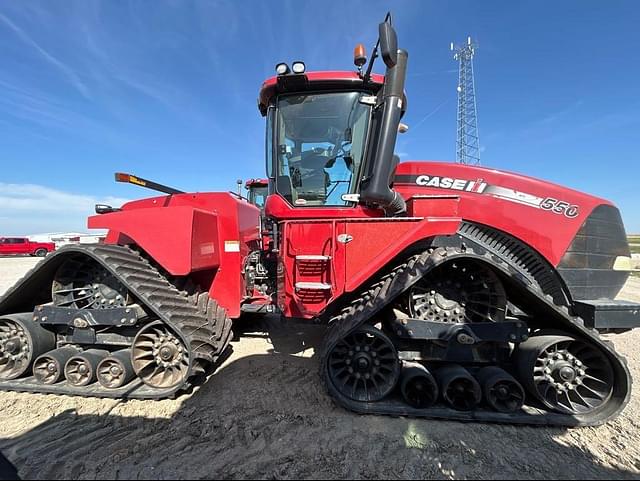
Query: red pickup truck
{"points": [[22, 245]]}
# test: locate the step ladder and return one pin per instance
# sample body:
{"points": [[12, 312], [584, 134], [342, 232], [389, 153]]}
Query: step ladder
{"points": [[312, 279]]}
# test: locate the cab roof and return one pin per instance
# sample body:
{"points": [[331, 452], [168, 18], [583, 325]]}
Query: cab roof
{"points": [[256, 182], [314, 81]]}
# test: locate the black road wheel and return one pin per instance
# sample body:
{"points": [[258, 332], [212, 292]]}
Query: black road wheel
{"points": [[21, 342], [49, 368], [41, 252], [364, 365], [81, 283], [116, 370], [418, 386], [159, 357], [82, 370], [567, 375], [458, 387], [459, 291], [501, 390]]}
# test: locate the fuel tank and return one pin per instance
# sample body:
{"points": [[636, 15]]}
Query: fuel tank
{"points": [[206, 235]]}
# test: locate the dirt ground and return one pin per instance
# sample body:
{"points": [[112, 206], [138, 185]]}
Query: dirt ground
{"points": [[265, 415]]}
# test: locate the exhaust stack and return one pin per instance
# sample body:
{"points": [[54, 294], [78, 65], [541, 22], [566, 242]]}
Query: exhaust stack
{"points": [[381, 162]]}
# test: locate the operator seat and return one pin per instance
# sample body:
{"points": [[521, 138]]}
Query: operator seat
{"points": [[314, 178]]}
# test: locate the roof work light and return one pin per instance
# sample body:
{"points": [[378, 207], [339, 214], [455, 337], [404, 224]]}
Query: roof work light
{"points": [[298, 67], [282, 69]]}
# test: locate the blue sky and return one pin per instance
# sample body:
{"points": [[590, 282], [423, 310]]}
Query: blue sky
{"points": [[167, 90]]}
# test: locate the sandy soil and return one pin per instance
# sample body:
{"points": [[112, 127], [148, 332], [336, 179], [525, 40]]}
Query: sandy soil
{"points": [[265, 415]]}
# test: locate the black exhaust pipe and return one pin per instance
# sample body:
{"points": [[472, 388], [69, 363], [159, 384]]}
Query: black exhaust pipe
{"points": [[381, 162], [459, 388], [418, 386]]}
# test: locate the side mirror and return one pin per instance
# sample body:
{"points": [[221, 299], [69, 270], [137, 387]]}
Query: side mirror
{"points": [[388, 44]]}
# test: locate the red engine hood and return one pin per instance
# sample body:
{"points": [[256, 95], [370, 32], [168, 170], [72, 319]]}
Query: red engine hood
{"points": [[542, 214]]}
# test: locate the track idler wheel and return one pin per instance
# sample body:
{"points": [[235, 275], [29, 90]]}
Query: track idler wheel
{"points": [[459, 388], [364, 365], [418, 386], [21, 341], [81, 283], [159, 357], [500, 389], [49, 368], [565, 374], [116, 370], [81, 370]]}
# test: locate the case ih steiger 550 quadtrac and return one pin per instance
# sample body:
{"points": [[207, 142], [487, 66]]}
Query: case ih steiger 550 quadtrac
{"points": [[449, 291]]}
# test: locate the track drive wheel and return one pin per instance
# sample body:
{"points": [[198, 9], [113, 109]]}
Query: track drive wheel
{"points": [[364, 365], [565, 374], [21, 342], [159, 357], [459, 291]]}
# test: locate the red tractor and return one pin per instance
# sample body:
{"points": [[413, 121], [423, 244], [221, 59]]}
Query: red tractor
{"points": [[449, 291], [257, 190]]}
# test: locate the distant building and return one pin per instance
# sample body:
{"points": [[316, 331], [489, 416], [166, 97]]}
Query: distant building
{"points": [[64, 238]]}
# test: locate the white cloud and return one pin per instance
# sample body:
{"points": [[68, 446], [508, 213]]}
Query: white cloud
{"points": [[29, 208]]}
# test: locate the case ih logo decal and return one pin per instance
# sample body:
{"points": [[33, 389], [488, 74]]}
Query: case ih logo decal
{"points": [[453, 184], [478, 186]]}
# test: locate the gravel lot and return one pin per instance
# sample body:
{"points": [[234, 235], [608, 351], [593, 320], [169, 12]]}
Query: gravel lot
{"points": [[265, 415]]}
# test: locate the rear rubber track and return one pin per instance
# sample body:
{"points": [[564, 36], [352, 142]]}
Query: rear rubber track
{"points": [[201, 323]]}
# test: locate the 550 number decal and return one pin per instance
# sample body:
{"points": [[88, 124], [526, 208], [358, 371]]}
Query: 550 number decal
{"points": [[560, 207]]}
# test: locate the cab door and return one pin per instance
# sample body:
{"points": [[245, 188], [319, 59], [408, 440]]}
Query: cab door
{"points": [[311, 267], [18, 246]]}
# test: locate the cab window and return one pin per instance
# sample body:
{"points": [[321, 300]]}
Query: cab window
{"points": [[319, 146]]}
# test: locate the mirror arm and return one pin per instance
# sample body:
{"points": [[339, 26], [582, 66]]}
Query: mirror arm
{"points": [[374, 56]]}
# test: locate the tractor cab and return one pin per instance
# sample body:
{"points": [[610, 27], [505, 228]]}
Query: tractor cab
{"points": [[330, 135], [257, 191], [319, 142]]}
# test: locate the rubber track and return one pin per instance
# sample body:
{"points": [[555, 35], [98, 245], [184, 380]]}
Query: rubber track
{"points": [[537, 270], [203, 325], [365, 308]]}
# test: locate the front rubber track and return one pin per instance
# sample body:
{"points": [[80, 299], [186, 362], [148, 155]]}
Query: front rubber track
{"points": [[202, 325], [364, 309]]}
